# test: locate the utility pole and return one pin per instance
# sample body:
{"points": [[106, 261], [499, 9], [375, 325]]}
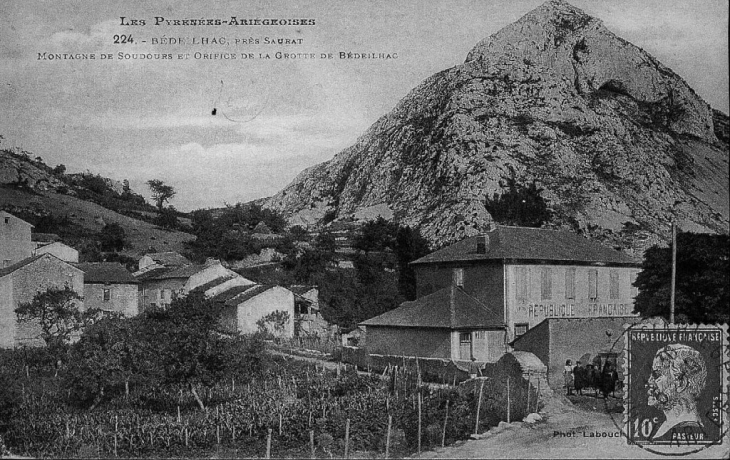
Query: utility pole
{"points": [[674, 273]]}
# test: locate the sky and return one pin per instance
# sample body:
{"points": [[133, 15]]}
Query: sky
{"points": [[141, 119]]}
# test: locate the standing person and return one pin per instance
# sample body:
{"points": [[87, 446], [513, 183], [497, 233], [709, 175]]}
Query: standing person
{"points": [[568, 375], [580, 377]]}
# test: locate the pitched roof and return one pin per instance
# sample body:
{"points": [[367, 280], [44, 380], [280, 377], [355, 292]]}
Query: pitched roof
{"points": [[169, 259], [44, 237], [449, 308], [249, 294], [299, 289], [228, 294], [524, 243], [105, 273], [152, 274], [214, 283], [17, 265], [27, 261]]}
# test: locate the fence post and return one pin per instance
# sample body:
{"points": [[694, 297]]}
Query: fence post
{"points": [[347, 438], [311, 443], [268, 445], [387, 439], [508, 402], [419, 420], [479, 408], [446, 418]]}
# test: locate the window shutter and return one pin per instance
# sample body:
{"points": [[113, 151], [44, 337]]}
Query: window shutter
{"points": [[593, 284], [546, 284], [613, 285], [570, 283]]}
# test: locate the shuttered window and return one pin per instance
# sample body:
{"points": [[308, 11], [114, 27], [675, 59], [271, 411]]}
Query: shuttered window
{"points": [[613, 286], [522, 283], [592, 284], [546, 284], [570, 283]]}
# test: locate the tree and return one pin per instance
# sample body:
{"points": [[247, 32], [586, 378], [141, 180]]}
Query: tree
{"points": [[112, 238], [161, 192], [409, 246], [273, 324], [58, 314], [519, 205], [701, 294]]}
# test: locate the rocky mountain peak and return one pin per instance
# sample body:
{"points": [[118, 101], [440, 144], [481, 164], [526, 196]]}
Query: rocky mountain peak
{"points": [[619, 144]]}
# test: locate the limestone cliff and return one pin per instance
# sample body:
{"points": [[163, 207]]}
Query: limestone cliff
{"points": [[620, 144]]}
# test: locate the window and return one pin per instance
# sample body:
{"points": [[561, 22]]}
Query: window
{"points": [[459, 277], [613, 286], [546, 284], [592, 284], [107, 295], [521, 328], [7, 220], [570, 283], [6, 262], [465, 337], [522, 282]]}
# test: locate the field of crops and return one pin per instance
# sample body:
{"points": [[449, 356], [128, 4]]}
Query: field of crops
{"points": [[294, 409]]}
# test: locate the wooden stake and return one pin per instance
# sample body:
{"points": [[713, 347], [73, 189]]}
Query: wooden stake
{"points": [[347, 438], [268, 445], [218, 434], [280, 421], [508, 402], [311, 443], [178, 414], [479, 407], [387, 439], [186, 436], [115, 444], [419, 420], [446, 418]]}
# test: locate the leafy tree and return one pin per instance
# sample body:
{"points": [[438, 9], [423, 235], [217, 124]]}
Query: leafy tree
{"points": [[325, 241], [113, 237], [58, 314], [161, 192], [375, 235], [274, 323], [409, 246], [184, 341], [304, 267], [167, 218], [519, 205], [702, 291], [59, 170]]}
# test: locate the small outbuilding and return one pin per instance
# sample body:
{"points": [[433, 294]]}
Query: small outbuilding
{"points": [[109, 287]]}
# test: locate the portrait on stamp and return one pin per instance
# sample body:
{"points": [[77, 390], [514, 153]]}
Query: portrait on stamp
{"points": [[674, 385]]}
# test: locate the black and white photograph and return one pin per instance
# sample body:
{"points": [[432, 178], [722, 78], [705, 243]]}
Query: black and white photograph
{"points": [[364, 229]]}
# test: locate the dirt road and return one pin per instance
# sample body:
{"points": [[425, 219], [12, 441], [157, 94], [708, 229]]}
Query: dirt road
{"points": [[565, 432]]}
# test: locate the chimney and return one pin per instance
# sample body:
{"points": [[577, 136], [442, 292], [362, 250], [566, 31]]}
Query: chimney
{"points": [[482, 243]]}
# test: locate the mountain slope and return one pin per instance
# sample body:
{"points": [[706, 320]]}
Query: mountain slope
{"points": [[620, 144]]}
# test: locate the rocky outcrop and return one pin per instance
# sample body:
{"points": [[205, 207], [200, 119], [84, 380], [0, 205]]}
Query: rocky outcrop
{"points": [[619, 143], [17, 169]]}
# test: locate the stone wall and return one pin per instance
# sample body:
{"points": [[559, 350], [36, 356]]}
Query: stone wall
{"points": [[123, 298], [431, 343]]}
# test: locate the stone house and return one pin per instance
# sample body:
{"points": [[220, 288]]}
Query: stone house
{"points": [[15, 239], [244, 306], [307, 317], [20, 282], [160, 285], [109, 287], [519, 277]]}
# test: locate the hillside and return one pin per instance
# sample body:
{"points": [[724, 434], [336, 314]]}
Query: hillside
{"points": [[619, 143], [28, 186]]}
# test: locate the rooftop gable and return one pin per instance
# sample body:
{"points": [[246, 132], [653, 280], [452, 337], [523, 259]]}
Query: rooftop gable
{"points": [[31, 260], [105, 273], [525, 243], [4, 214], [447, 308], [169, 259]]}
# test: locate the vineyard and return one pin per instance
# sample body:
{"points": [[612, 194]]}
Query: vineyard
{"points": [[292, 409]]}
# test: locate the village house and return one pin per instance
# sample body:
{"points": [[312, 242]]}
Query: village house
{"points": [[244, 306], [109, 287], [475, 297], [307, 317], [58, 249], [15, 239], [20, 282], [159, 285]]}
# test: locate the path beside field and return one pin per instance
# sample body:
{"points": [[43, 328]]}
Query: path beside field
{"points": [[521, 440]]}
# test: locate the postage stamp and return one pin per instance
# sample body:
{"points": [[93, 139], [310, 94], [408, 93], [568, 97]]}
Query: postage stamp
{"points": [[676, 385]]}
